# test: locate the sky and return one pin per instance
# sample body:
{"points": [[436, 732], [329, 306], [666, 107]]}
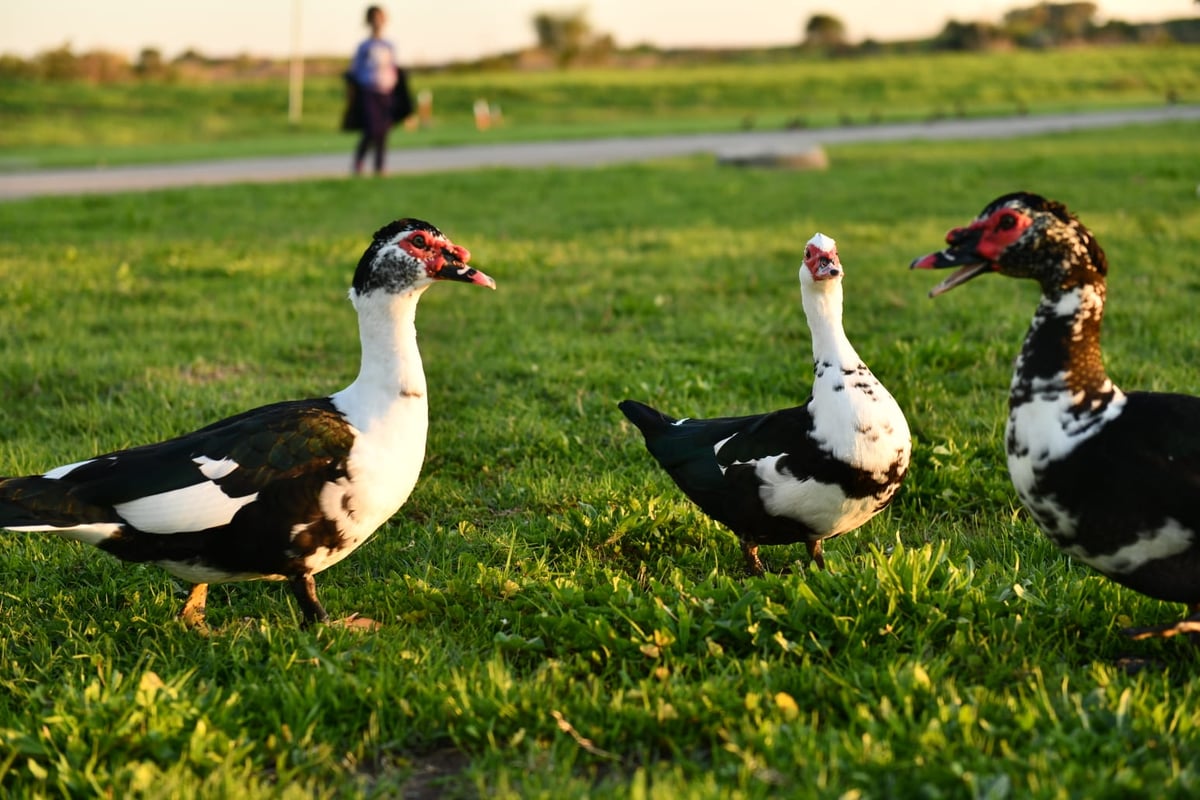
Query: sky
{"points": [[436, 31]]}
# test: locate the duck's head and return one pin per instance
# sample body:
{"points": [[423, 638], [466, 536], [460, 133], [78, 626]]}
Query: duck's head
{"points": [[411, 254], [1020, 235], [821, 262]]}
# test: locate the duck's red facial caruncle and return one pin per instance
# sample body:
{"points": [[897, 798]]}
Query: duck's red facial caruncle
{"points": [[821, 258], [993, 234], [443, 259]]}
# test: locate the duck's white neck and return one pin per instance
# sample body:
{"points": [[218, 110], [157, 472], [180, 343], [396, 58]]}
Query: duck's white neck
{"points": [[391, 363], [823, 308]]}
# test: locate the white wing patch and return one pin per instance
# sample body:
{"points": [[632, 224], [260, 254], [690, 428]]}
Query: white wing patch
{"points": [[92, 533], [717, 451], [1169, 540], [213, 469], [58, 473], [192, 508]]}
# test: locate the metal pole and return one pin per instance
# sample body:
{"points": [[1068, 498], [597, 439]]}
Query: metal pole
{"points": [[296, 73]]}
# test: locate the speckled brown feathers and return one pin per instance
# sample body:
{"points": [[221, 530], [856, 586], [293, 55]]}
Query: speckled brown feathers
{"points": [[1112, 478]]}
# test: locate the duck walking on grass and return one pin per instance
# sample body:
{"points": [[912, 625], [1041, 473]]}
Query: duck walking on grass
{"points": [[802, 474], [283, 491], [1113, 478]]}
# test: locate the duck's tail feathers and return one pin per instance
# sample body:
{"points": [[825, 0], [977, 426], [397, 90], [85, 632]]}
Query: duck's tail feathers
{"points": [[38, 503], [650, 421]]}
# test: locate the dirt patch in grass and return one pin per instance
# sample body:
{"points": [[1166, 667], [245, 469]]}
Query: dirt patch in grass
{"points": [[437, 775]]}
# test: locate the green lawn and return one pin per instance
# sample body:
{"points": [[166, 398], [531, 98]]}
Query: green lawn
{"points": [[560, 621], [62, 124]]}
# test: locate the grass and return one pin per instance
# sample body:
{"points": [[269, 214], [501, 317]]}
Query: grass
{"points": [[58, 124], [560, 621]]}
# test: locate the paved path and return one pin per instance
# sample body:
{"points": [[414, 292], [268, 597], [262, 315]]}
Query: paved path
{"points": [[585, 152]]}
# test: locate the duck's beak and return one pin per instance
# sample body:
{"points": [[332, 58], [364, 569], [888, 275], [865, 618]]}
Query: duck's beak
{"points": [[454, 268], [962, 253]]}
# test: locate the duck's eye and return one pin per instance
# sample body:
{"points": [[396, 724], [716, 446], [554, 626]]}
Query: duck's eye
{"points": [[1007, 222], [419, 241]]}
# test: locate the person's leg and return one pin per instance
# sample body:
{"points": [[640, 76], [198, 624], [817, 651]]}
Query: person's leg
{"points": [[381, 121], [381, 150], [373, 121], [360, 152]]}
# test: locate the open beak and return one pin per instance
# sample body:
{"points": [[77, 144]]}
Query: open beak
{"points": [[962, 254]]}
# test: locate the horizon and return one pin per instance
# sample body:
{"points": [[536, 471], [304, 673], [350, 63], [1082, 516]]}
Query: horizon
{"points": [[227, 28]]}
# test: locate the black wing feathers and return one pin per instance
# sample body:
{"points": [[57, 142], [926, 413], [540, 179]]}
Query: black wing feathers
{"points": [[35, 501], [1139, 477], [285, 452], [267, 443], [723, 480], [1150, 452], [688, 449]]}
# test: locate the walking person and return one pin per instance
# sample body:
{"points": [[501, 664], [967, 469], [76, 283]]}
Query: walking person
{"points": [[375, 73]]}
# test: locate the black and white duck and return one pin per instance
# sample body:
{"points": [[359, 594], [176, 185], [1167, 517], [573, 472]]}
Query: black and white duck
{"points": [[279, 492], [1112, 477], [802, 474]]}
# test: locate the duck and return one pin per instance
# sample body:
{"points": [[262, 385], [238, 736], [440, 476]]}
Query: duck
{"points": [[801, 474], [1111, 477], [279, 492]]}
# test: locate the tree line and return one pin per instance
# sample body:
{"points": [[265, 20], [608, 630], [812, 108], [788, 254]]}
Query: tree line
{"points": [[567, 38]]}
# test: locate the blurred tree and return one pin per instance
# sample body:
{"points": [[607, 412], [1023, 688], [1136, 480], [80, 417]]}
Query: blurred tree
{"points": [[59, 64], [1048, 24], [568, 37], [1116, 31], [16, 67], [190, 56], [150, 63], [102, 66], [824, 32], [968, 36], [565, 34]]}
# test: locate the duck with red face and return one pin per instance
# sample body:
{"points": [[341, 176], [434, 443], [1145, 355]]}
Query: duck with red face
{"points": [[1113, 478], [283, 491], [802, 474]]}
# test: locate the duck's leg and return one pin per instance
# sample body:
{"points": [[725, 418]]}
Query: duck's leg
{"points": [[816, 554], [1190, 626], [754, 564], [305, 590], [193, 610]]}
